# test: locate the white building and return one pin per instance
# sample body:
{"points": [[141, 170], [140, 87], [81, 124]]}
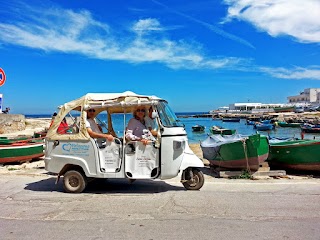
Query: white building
{"points": [[254, 107], [308, 96]]}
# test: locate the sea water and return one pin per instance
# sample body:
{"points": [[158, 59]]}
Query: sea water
{"points": [[196, 137]]}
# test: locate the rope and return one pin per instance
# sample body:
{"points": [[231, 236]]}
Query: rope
{"points": [[246, 154]]}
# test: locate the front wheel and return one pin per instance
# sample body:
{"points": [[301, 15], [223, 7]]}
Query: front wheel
{"points": [[74, 181], [192, 179]]}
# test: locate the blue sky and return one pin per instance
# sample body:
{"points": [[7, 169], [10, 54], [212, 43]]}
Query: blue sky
{"points": [[198, 55]]}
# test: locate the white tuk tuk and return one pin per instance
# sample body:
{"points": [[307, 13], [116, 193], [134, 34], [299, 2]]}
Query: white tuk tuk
{"points": [[79, 158]]}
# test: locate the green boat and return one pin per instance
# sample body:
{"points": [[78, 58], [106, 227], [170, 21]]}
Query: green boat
{"points": [[20, 152], [295, 154], [236, 151], [8, 141], [286, 124], [222, 131], [284, 109]]}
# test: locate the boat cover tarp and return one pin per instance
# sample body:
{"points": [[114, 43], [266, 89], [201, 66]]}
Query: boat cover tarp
{"points": [[211, 146]]}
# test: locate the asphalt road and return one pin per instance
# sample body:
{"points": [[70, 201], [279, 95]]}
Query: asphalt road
{"points": [[33, 207]]}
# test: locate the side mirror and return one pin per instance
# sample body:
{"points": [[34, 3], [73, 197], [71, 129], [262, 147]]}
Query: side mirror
{"points": [[154, 114]]}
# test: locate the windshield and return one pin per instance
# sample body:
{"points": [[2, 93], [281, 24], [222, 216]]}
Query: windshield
{"points": [[167, 116]]}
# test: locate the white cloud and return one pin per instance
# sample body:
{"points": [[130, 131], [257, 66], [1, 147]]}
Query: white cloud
{"points": [[295, 18], [312, 72], [149, 24], [77, 32]]}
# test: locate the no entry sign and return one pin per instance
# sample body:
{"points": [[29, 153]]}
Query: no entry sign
{"points": [[2, 77]]}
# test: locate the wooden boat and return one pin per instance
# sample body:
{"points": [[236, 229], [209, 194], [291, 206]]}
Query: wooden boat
{"points": [[308, 128], [250, 122], [222, 131], [236, 151], [284, 109], [295, 154], [198, 128], [231, 119], [286, 124], [41, 134], [9, 140], [20, 151], [264, 126]]}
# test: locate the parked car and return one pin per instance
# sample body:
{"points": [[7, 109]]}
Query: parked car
{"points": [[314, 108], [299, 109]]}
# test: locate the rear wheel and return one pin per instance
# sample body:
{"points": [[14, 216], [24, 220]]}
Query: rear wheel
{"points": [[192, 179], [74, 181]]}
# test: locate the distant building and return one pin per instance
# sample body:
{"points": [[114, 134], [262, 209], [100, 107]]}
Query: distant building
{"points": [[308, 96], [254, 107]]}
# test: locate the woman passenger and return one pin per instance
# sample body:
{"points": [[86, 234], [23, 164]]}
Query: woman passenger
{"points": [[136, 126]]}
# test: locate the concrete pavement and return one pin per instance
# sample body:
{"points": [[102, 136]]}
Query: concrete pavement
{"points": [[33, 207]]}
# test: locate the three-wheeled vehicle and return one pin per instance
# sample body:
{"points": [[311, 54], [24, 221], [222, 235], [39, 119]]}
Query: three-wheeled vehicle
{"points": [[79, 158]]}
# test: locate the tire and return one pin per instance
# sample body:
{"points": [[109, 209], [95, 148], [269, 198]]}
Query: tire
{"points": [[74, 181], [194, 183]]}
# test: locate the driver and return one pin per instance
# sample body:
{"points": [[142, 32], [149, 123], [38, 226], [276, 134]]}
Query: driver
{"points": [[94, 130]]}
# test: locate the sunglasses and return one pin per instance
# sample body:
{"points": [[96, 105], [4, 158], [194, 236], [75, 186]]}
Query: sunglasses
{"points": [[141, 110], [91, 110]]}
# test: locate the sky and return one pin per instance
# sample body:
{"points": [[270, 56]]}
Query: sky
{"points": [[198, 55]]}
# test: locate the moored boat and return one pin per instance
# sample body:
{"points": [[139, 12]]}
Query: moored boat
{"points": [[236, 151], [264, 126], [20, 151], [10, 140], [198, 128], [231, 119], [284, 109], [286, 124], [295, 154], [222, 131], [308, 128]]}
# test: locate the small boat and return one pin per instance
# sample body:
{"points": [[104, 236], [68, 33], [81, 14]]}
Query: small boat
{"points": [[284, 109], [198, 128], [10, 140], [264, 126], [250, 122], [230, 119], [20, 151], [236, 151], [222, 131], [295, 154], [286, 124], [309, 128], [41, 134]]}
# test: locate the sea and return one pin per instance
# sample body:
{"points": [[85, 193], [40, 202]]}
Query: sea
{"points": [[197, 137]]}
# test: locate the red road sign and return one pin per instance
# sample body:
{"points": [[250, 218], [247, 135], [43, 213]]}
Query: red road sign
{"points": [[2, 77]]}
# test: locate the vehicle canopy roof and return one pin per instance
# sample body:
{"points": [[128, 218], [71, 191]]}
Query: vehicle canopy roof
{"points": [[113, 102]]}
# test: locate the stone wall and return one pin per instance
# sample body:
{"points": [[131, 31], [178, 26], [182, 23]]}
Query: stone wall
{"points": [[12, 123]]}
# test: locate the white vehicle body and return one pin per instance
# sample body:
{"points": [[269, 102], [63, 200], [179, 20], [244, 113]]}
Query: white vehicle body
{"points": [[85, 157]]}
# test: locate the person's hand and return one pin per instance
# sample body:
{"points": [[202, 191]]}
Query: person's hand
{"points": [[144, 141], [109, 137]]}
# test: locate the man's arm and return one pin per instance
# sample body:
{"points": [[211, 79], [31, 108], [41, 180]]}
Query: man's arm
{"points": [[93, 134]]}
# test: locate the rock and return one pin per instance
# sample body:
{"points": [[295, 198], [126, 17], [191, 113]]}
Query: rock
{"points": [[11, 123]]}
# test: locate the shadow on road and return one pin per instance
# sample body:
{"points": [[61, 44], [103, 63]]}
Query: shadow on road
{"points": [[107, 186]]}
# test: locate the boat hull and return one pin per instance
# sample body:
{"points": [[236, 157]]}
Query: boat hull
{"points": [[198, 128], [284, 124], [231, 120], [284, 109], [223, 131], [296, 155], [20, 152], [237, 155], [310, 129]]}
